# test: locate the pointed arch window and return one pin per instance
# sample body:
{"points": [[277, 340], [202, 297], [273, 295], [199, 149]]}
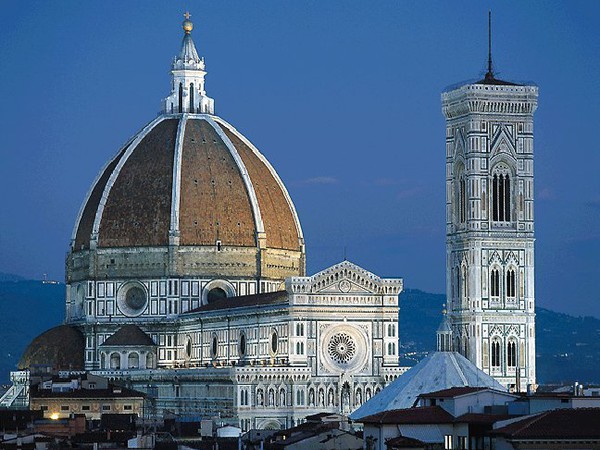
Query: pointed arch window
{"points": [[501, 194], [495, 282], [180, 98], [463, 287], [462, 200], [192, 106], [495, 354], [511, 354], [460, 194], [511, 284]]}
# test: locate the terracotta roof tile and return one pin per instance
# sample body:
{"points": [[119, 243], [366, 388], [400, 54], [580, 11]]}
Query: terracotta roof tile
{"points": [[278, 218], [577, 423], [214, 201], [129, 335], [453, 392], [424, 415], [244, 301], [138, 208]]}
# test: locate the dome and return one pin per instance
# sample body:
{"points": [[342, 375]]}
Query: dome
{"points": [[60, 347], [192, 181], [188, 196]]}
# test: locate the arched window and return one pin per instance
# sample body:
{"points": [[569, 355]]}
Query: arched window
{"points": [[461, 194], [501, 204], [274, 342], [463, 200], [133, 361], [216, 294], [115, 361], [511, 354], [192, 98], [495, 282], [214, 349], [463, 287], [511, 285], [180, 97], [242, 345], [150, 361], [495, 354]]}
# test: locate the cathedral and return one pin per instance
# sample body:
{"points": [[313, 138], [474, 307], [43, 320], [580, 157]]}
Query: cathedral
{"points": [[186, 280], [186, 277]]}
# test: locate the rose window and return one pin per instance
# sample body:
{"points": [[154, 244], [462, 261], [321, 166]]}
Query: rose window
{"points": [[342, 348]]}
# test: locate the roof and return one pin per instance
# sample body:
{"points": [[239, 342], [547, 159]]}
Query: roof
{"points": [[422, 415], [128, 335], [60, 347], [112, 392], [481, 419], [453, 392], [245, 301], [226, 190], [438, 371], [491, 80], [577, 423]]}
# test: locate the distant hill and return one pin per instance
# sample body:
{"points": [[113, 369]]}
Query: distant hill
{"points": [[568, 348], [9, 277]]}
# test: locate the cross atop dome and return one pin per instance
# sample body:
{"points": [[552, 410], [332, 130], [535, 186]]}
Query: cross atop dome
{"points": [[187, 78], [187, 24]]}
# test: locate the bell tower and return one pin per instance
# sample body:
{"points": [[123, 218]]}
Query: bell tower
{"points": [[490, 226]]}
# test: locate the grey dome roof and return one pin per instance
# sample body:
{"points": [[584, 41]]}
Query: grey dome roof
{"points": [[440, 370]]}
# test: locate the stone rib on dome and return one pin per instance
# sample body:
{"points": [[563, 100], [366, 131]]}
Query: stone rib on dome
{"points": [[228, 194], [214, 202], [138, 208]]}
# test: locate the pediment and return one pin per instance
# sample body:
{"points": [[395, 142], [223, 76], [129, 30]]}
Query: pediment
{"points": [[503, 142], [346, 277]]}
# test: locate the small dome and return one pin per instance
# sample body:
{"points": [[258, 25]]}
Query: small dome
{"points": [[60, 347]]}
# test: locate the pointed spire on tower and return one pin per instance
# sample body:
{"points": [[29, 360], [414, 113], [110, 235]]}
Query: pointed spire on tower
{"points": [[490, 71], [187, 75]]}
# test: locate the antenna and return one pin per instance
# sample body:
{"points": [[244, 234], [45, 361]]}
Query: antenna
{"points": [[490, 73]]}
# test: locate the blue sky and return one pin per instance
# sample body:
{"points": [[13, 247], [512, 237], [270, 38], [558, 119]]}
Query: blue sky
{"points": [[342, 97]]}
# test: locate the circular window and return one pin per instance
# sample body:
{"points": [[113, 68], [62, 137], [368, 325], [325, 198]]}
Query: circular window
{"points": [[345, 349], [274, 342], [215, 346], [132, 299], [135, 298], [242, 344], [341, 348], [216, 294]]}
